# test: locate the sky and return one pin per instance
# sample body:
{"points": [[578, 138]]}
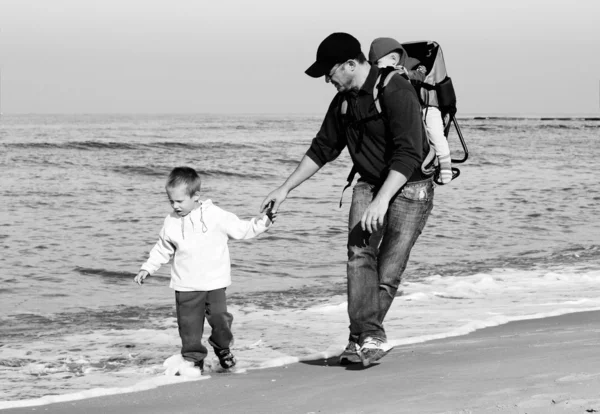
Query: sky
{"points": [[509, 57]]}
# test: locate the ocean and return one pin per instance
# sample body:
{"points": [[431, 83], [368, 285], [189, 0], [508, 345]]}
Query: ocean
{"points": [[515, 236]]}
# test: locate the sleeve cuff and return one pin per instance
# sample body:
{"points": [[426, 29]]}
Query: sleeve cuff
{"points": [[148, 268], [402, 168], [311, 154]]}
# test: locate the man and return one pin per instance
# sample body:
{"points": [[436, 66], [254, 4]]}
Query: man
{"points": [[392, 199]]}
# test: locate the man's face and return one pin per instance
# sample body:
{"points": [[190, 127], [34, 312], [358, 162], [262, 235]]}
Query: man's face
{"points": [[340, 77], [181, 201]]}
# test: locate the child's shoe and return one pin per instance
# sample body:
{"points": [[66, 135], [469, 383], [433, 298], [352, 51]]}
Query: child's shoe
{"points": [[177, 366], [226, 358], [190, 369]]}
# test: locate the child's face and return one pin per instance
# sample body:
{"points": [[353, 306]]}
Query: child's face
{"points": [[387, 60], [181, 201]]}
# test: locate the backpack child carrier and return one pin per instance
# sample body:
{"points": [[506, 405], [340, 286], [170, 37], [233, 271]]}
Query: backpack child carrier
{"points": [[435, 90]]}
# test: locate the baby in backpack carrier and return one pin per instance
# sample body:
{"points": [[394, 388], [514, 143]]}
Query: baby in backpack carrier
{"points": [[385, 52]]}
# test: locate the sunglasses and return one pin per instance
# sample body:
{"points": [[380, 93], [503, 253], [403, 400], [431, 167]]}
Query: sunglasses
{"points": [[334, 70]]}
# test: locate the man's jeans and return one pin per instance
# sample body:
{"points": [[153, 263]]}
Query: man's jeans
{"points": [[376, 261], [192, 307]]}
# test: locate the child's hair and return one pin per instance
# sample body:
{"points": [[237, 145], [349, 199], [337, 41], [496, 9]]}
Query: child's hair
{"points": [[187, 176]]}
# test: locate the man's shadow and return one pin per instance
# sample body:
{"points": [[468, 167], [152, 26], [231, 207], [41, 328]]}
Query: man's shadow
{"points": [[334, 363]]}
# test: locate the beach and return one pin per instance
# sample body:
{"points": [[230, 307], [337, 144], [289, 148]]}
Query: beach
{"points": [[514, 238], [548, 365], [497, 309]]}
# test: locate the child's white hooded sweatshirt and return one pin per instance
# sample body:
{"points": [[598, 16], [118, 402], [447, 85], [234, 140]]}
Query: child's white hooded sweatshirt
{"points": [[198, 245]]}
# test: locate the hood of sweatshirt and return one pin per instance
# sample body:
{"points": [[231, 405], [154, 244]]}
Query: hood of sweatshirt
{"points": [[195, 218], [385, 45]]}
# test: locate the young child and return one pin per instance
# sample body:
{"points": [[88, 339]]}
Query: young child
{"points": [[386, 51], [195, 236]]}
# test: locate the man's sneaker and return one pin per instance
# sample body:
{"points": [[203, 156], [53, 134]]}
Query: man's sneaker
{"points": [[350, 354], [373, 349], [226, 358]]}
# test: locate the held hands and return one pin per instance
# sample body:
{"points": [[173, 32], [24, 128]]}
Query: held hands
{"points": [[271, 217], [139, 278], [269, 212], [372, 218], [272, 202]]}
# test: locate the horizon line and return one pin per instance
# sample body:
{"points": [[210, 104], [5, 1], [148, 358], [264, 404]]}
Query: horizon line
{"points": [[475, 116]]}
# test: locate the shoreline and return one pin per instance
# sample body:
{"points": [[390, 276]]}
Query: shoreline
{"points": [[534, 366]]}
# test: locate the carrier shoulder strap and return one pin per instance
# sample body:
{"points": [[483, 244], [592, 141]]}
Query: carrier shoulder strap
{"points": [[344, 107], [384, 77], [382, 81]]}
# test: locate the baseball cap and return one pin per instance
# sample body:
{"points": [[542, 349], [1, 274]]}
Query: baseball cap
{"points": [[336, 48], [381, 47]]}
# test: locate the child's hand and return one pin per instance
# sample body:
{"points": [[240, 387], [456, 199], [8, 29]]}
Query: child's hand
{"points": [[271, 217], [139, 278], [268, 210]]}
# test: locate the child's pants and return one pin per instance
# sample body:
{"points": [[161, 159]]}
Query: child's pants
{"points": [[191, 309]]}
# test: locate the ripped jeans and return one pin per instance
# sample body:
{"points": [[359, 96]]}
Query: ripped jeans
{"points": [[376, 261]]}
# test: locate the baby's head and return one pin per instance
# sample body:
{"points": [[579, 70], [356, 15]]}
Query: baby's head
{"points": [[391, 59], [385, 51], [183, 190]]}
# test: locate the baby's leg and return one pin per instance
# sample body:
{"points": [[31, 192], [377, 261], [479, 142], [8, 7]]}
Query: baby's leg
{"points": [[435, 134]]}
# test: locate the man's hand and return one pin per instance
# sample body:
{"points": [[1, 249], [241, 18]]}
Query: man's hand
{"points": [[277, 197], [139, 278], [372, 219]]}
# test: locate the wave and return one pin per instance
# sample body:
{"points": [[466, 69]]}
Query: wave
{"points": [[78, 145], [286, 161], [586, 257], [212, 145], [527, 125], [136, 353], [112, 276], [559, 126], [29, 325], [290, 298], [164, 171], [230, 174], [114, 145], [142, 170]]}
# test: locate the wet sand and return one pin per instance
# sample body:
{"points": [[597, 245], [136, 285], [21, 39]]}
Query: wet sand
{"points": [[549, 365]]}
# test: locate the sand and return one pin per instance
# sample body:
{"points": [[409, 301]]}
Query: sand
{"points": [[549, 365]]}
